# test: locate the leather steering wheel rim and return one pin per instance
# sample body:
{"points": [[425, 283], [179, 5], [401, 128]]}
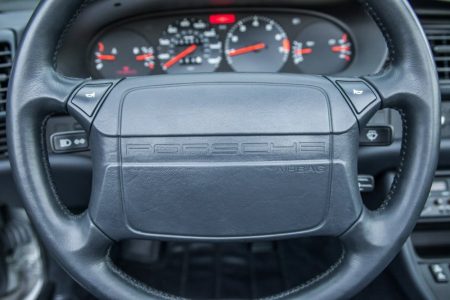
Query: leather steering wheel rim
{"points": [[408, 84]]}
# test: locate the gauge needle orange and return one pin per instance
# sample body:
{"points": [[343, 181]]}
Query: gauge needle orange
{"points": [[189, 50], [143, 57], [248, 49], [340, 48], [106, 57], [304, 51]]}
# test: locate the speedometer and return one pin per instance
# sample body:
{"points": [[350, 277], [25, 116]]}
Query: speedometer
{"points": [[257, 44], [189, 46]]}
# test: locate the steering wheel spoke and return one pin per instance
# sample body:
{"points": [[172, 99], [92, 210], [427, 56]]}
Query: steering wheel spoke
{"points": [[87, 98], [360, 95]]}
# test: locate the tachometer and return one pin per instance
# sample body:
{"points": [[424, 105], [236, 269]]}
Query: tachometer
{"points": [[122, 53], [189, 46], [257, 44], [322, 48]]}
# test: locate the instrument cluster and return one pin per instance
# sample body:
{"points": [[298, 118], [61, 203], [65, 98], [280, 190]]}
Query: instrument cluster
{"points": [[222, 42]]}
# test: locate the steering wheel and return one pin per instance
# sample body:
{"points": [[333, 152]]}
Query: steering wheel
{"points": [[224, 157]]}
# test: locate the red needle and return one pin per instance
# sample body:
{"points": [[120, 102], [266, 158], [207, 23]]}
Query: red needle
{"points": [[304, 51], [101, 47], [286, 45], [244, 50], [179, 56], [340, 48], [143, 57], [106, 57]]}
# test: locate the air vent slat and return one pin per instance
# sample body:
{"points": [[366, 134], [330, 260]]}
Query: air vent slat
{"points": [[7, 65], [438, 34], [443, 49], [442, 58]]}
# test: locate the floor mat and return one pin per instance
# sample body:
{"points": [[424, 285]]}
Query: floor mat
{"points": [[233, 270]]}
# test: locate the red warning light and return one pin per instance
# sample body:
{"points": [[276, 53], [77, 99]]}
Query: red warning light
{"points": [[219, 19]]}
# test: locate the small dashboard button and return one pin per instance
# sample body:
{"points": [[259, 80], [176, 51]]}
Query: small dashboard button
{"points": [[366, 183], [71, 141], [438, 273], [376, 136], [89, 96], [359, 94]]}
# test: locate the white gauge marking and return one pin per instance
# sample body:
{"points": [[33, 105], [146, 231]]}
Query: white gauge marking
{"points": [[200, 25], [172, 29], [163, 56], [296, 21], [216, 46], [185, 23], [209, 33], [164, 42]]}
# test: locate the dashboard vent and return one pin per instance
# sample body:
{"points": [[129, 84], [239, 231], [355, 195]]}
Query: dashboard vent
{"points": [[5, 70], [6, 60], [438, 34]]}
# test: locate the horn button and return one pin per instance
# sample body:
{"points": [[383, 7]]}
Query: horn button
{"points": [[226, 160]]}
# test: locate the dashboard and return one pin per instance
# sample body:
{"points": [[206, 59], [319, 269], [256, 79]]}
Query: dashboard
{"points": [[223, 42]]}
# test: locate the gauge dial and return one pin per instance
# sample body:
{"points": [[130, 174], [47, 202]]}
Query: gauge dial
{"points": [[322, 48], [121, 54], [189, 46], [257, 44]]}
